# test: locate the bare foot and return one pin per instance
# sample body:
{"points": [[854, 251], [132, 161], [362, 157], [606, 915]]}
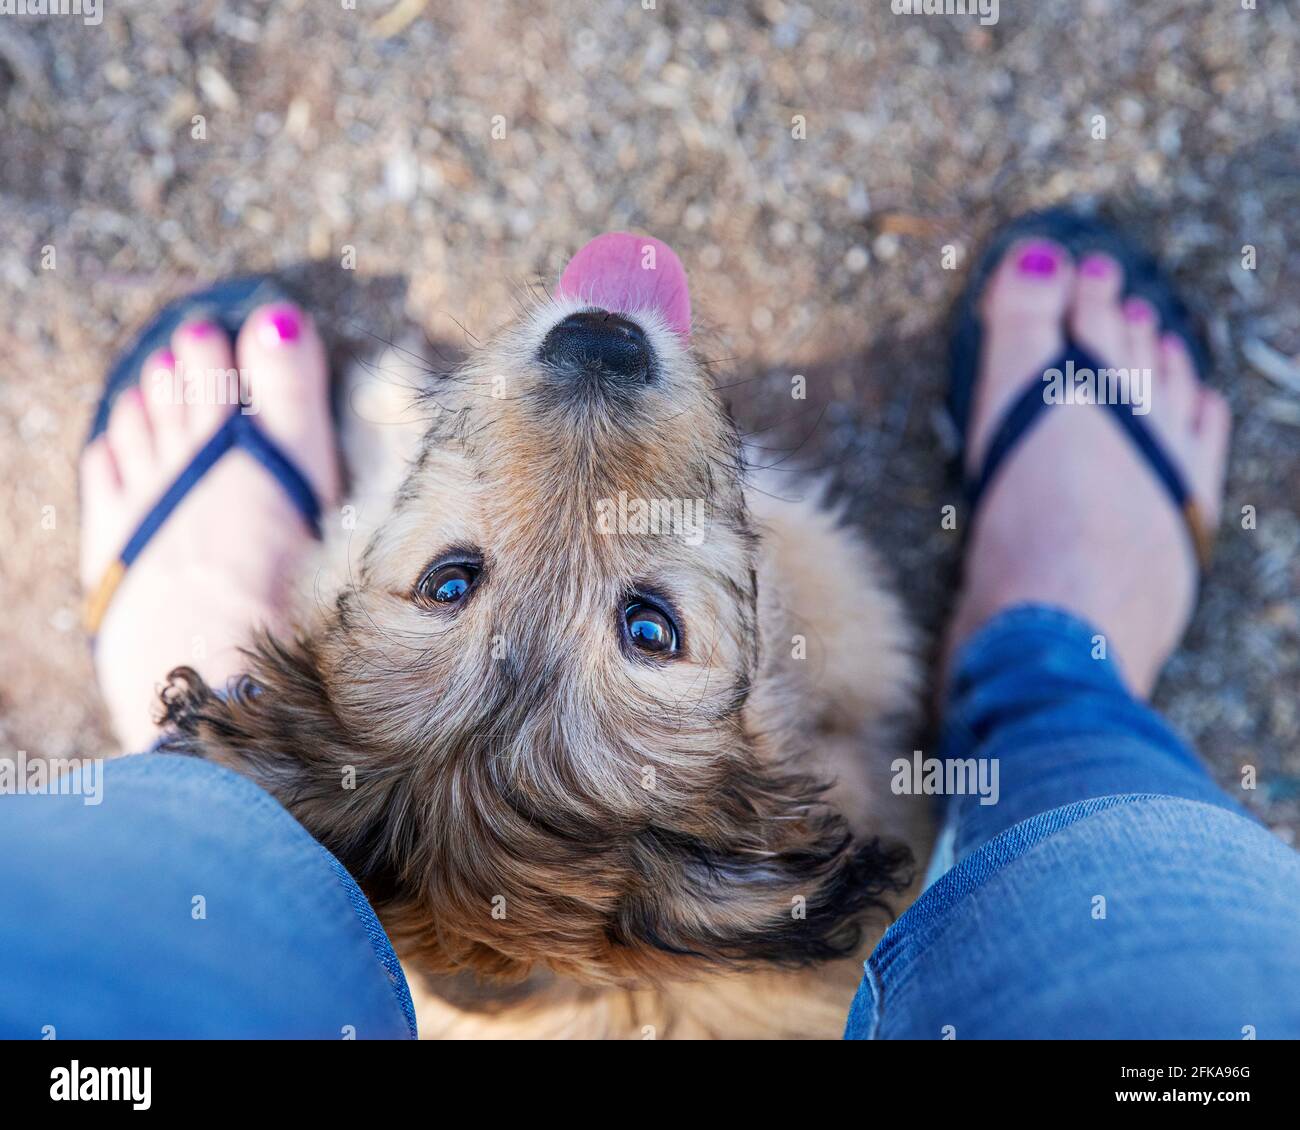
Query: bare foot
{"points": [[1076, 517], [223, 561]]}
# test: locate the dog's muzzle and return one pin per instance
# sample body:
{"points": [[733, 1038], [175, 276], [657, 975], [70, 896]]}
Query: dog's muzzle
{"points": [[600, 343]]}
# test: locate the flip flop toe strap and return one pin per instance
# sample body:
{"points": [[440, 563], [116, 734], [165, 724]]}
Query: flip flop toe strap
{"points": [[238, 431], [1030, 407]]}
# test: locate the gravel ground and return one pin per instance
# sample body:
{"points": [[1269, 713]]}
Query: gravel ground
{"points": [[463, 149]]}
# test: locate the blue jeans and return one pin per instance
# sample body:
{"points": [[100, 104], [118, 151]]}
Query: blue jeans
{"points": [[1112, 891], [186, 903]]}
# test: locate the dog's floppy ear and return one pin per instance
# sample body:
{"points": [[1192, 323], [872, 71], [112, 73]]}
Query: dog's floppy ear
{"points": [[790, 888], [278, 727]]}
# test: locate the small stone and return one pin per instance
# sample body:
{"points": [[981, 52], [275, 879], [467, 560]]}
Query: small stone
{"points": [[885, 246], [118, 75], [401, 175], [216, 88]]}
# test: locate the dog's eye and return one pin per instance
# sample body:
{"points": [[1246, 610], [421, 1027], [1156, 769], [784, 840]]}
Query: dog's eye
{"points": [[650, 629], [447, 584]]}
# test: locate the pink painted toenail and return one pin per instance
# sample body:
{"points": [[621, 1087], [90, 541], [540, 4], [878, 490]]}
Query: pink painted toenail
{"points": [[281, 324], [1039, 259], [1095, 267], [166, 359], [1135, 310], [199, 330]]}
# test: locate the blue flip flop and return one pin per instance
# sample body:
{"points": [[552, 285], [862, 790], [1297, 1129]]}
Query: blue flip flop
{"points": [[229, 304], [1079, 234]]}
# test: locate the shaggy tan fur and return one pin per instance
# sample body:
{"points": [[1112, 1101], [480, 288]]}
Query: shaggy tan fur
{"points": [[561, 835]]}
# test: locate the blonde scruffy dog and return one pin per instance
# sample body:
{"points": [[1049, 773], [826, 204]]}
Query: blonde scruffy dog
{"points": [[597, 718]]}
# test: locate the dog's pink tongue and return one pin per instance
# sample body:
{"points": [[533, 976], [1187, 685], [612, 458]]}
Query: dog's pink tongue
{"points": [[622, 272]]}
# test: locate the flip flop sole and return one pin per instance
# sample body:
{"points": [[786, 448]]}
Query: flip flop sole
{"points": [[1080, 234], [228, 303]]}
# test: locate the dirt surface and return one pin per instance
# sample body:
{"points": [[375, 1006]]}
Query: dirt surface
{"points": [[810, 163]]}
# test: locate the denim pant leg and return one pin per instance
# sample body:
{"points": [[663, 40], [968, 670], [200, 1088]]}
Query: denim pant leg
{"points": [[185, 903], [1112, 891]]}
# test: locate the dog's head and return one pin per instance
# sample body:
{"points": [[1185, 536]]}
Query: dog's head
{"points": [[525, 724]]}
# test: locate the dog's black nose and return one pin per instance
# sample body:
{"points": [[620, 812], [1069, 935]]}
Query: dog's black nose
{"points": [[597, 339]]}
